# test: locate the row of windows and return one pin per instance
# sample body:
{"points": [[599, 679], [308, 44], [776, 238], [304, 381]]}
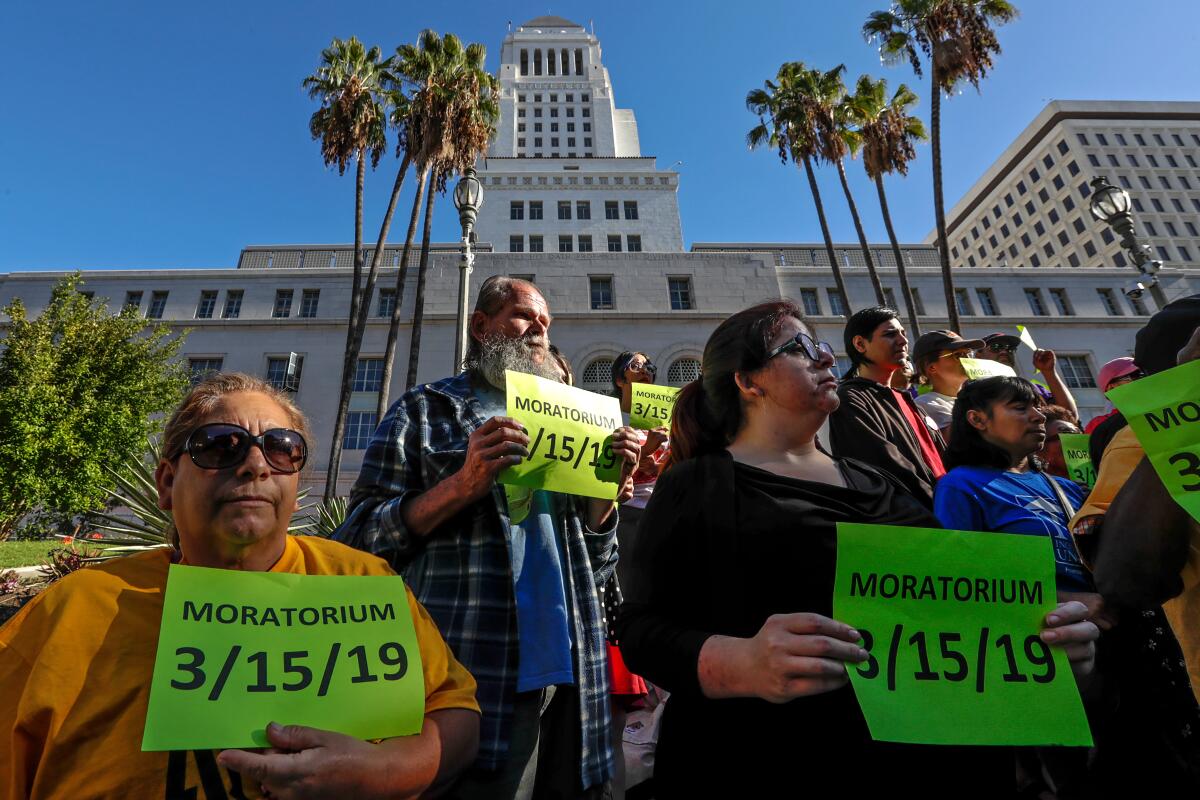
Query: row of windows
{"points": [[1137, 137], [554, 142], [679, 292], [537, 128], [566, 243], [207, 305], [1132, 160], [568, 113], [583, 209], [557, 62], [569, 97]]}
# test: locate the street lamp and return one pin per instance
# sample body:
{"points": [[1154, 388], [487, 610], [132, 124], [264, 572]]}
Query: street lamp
{"points": [[468, 197], [1111, 205]]}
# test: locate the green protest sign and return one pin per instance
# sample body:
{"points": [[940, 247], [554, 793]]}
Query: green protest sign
{"points": [[977, 368], [1163, 410], [650, 406], [1077, 457], [951, 622], [570, 438], [237, 650], [1026, 337]]}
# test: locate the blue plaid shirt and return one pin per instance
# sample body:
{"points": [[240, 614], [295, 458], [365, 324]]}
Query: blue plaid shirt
{"points": [[462, 572]]}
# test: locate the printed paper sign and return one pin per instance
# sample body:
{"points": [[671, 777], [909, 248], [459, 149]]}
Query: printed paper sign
{"points": [[951, 622], [977, 368], [650, 406], [1026, 337], [237, 650], [1163, 410], [570, 438], [1076, 455]]}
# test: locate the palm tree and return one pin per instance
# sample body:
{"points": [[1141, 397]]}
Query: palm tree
{"points": [[785, 124], [351, 124], [956, 36], [887, 135], [452, 119]]}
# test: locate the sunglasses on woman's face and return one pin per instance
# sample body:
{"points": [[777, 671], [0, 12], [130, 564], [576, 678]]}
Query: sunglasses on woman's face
{"points": [[1002, 347], [219, 445], [646, 367], [811, 347]]}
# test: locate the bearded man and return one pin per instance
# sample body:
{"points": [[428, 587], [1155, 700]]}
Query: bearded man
{"points": [[513, 594]]}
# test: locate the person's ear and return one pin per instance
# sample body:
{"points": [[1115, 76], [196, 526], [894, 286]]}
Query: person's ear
{"points": [[860, 343], [977, 419], [747, 388], [164, 480], [478, 325]]}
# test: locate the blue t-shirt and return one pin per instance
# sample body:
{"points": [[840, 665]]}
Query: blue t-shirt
{"points": [[536, 553], [990, 499]]}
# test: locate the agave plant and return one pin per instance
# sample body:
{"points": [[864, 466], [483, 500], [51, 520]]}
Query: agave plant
{"points": [[146, 526], [327, 517]]}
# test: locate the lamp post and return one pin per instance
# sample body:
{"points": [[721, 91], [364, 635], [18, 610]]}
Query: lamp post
{"points": [[468, 197], [1111, 205]]}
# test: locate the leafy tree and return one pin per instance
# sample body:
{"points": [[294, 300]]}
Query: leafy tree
{"points": [[351, 123], [957, 38], [887, 137], [785, 122], [79, 390]]}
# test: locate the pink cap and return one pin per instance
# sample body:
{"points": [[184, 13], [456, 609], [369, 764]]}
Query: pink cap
{"points": [[1117, 368]]}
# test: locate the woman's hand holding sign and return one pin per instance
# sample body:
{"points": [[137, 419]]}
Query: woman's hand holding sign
{"points": [[626, 447], [1069, 627]]}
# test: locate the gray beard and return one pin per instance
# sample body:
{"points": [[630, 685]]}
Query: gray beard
{"points": [[500, 353]]}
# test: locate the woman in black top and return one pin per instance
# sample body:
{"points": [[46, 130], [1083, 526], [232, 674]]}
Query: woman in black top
{"points": [[730, 597]]}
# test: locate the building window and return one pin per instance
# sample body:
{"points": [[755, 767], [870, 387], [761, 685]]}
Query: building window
{"points": [[1034, 261], [987, 302], [583, 209], [564, 209], [631, 211], [836, 307], [1076, 372], [1061, 304], [1184, 253], [1102, 140], [963, 302], [564, 244], [1034, 296], [1089, 249], [516, 209], [368, 375], [889, 297], [585, 244], [360, 427], [1138, 306], [134, 300], [597, 376], [535, 209], [1108, 299], [283, 303], [1082, 138], [516, 244], [812, 305], [1058, 182], [233, 304], [601, 292], [201, 368], [1073, 259], [535, 244], [387, 303], [308, 302], [614, 243], [680, 290], [1073, 168], [633, 244], [1062, 148], [611, 210], [206, 306], [277, 373], [918, 303], [158, 304], [683, 371]]}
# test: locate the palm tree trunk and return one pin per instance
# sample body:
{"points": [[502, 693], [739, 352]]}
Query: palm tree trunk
{"points": [[339, 421], [910, 305], [414, 342], [389, 354], [833, 262], [939, 211], [862, 236]]}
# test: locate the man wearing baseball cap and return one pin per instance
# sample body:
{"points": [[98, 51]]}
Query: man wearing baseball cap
{"points": [[1002, 347], [936, 357], [1113, 374]]}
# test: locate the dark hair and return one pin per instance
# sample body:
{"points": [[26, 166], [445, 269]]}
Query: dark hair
{"points": [[863, 323], [1054, 412], [621, 363], [564, 364], [967, 446], [494, 294], [708, 411]]}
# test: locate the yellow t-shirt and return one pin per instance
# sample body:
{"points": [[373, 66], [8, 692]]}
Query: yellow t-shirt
{"points": [[75, 668]]}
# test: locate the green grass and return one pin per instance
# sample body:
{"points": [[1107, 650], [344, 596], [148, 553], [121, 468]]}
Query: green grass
{"points": [[25, 554]]}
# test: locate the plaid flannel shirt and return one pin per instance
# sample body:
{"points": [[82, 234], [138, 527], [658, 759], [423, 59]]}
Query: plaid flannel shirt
{"points": [[462, 572]]}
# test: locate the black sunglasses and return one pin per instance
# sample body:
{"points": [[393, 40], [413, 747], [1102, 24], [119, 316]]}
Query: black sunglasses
{"points": [[811, 347], [646, 367], [219, 445], [1002, 347]]}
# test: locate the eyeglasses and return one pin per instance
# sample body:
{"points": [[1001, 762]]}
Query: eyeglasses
{"points": [[644, 366], [219, 445], [811, 347], [958, 354], [1002, 347]]}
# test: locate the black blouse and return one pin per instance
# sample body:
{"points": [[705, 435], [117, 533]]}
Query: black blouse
{"points": [[722, 546]]}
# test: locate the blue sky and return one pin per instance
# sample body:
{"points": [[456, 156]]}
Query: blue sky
{"points": [[159, 134]]}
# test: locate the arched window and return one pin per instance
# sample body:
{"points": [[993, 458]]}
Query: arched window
{"points": [[524, 62], [537, 62], [578, 62], [551, 62], [597, 376], [566, 62], [683, 370]]}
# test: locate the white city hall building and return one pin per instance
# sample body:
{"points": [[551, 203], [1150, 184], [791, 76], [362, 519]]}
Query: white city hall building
{"points": [[596, 226]]}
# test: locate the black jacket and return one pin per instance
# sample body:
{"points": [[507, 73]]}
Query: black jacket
{"points": [[869, 426]]}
